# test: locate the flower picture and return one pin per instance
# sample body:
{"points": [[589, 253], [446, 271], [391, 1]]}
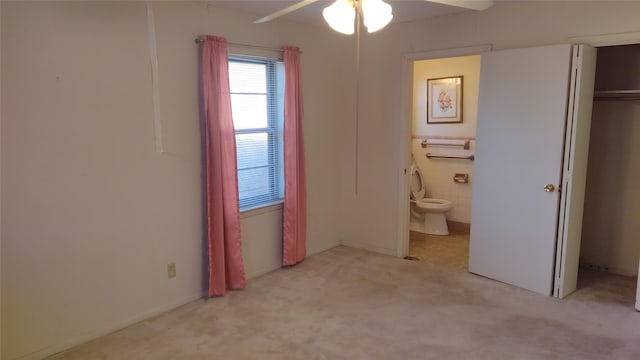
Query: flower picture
{"points": [[444, 100]]}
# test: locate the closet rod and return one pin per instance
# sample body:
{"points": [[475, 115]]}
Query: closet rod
{"points": [[617, 95]]}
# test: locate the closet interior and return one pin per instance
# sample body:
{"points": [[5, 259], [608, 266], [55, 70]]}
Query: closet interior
{"points": [[610, 247]]}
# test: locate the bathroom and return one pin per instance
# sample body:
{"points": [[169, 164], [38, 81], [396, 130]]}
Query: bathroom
{"points": [[447, 174]]}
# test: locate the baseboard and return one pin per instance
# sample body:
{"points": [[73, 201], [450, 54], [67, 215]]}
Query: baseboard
{"points": [[377, 249], [584, 264], [312, 251], [54, 349], [263, 271], [416, 228], [459, 227], [276, 266], [454, 226]]}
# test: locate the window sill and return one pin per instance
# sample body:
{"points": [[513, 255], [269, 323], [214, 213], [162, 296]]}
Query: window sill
{"points": [[261, 209]]}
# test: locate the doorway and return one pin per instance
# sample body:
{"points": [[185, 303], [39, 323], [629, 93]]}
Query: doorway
{"points": [[405, 128], [442, 158]]}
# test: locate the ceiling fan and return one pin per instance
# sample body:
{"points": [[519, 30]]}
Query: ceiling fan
{"points": [[342, 14]]}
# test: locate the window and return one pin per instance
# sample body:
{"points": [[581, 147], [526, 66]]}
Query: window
{"points": [[257, 103]]}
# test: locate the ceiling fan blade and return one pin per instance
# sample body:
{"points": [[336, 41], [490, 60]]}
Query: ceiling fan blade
{"points": [[285, 11], [467, 4]]}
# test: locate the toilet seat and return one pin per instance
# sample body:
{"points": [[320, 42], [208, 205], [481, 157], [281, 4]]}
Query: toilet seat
{"points": [[418, 189], [434, 204]]}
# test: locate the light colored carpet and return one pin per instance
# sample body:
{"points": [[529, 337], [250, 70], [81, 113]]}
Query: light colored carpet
{"points": [[352, 304], [600, 286]]}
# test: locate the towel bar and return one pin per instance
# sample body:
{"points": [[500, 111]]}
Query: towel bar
{"points": [[463, 157]]}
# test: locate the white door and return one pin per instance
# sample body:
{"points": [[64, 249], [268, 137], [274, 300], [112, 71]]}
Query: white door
{"points": [[574, 176], [522, 109]]}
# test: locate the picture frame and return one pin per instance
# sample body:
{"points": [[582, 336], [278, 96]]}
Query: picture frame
{"points": [[444, 100]]}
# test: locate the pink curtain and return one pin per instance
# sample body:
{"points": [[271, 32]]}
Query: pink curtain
{"points": [[226, 269], [295, 188]]}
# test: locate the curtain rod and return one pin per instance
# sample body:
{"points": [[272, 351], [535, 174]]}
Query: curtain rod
{"points": [[200, 40]]}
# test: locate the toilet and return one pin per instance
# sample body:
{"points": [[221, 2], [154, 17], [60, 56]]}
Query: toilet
{"points": [[433, 210]]}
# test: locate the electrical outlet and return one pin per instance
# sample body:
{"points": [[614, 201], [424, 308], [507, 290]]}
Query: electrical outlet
{"points": [[171, 270]]}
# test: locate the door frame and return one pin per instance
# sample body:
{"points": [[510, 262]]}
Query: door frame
{"points": [[597, 41], [616, 39], [404, 133]]}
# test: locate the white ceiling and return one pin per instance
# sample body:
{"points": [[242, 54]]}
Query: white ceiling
{"points": [[403, 10]]}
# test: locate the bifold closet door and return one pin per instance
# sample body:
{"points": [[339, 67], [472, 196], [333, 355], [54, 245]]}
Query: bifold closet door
{"points": [[574, 176], [522, 110]]}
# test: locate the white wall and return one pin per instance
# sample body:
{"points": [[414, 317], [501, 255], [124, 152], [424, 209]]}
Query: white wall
{"points": [[262, 240], [611, 230], [369, 218], [438, 173], [91, 214]]}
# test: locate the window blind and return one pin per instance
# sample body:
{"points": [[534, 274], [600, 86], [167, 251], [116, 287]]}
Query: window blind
{"points": [[257, 116]]}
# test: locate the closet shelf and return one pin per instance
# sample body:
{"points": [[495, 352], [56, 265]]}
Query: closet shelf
{"points": [[617, 95]]}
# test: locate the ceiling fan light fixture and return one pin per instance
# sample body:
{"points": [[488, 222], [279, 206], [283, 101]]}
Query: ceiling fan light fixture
{"points": [[341, 16], [377, 14]]}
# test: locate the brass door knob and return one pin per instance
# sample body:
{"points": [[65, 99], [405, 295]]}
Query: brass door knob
{"points": [[549, 188]]}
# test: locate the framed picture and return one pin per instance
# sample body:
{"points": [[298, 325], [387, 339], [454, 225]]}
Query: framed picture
{"points": [[444, 103]]}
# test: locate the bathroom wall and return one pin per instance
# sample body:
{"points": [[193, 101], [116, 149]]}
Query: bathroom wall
{"points": [[438, 173], [611, 230]]}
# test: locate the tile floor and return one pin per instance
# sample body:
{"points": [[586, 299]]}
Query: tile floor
{"points": [[451, 251]]}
